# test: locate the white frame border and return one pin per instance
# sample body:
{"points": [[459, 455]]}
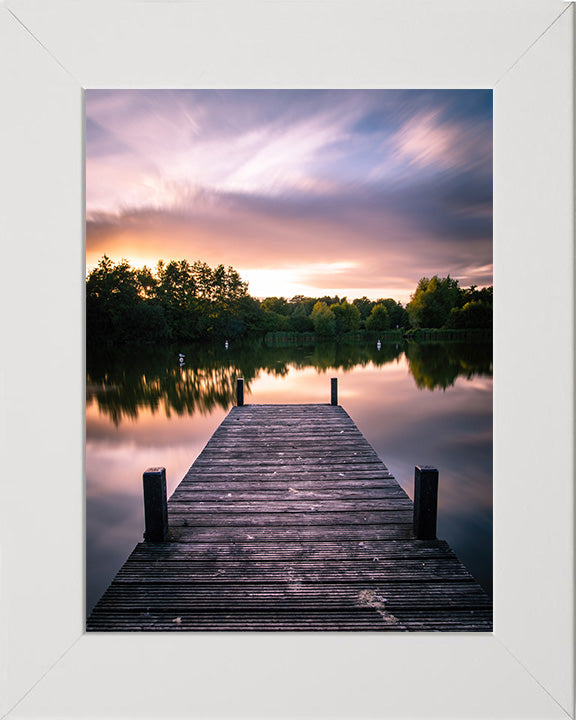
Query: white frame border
{"points": [[51, 50]]}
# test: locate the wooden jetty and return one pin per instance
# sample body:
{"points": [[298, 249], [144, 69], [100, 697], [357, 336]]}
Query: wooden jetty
{"points": [[288, 520]]}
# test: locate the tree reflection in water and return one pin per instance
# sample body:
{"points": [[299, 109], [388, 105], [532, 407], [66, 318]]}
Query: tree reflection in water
{"points": [[414, 403], [436, 366], [124, 381]]}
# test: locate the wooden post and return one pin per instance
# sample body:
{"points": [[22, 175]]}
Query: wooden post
{"points": [[240, 392], [155, 505], [425, 502], [334, 391]]}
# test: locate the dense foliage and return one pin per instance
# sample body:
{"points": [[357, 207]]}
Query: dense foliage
{"points": [[179, 301], [440, 302], [182, 302]]}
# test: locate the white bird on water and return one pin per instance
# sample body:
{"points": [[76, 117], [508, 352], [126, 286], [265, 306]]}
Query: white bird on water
{"points": [[226, 344]]}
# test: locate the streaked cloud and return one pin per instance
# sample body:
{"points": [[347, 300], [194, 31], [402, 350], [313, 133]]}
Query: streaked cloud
{"points": [[345, 190]]}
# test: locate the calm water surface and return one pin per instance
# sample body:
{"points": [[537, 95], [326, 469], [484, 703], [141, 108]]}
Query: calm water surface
{"points": [[415, 404]]}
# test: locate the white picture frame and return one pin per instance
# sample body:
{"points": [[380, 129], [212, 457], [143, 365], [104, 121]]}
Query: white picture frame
{"points": [[51, 50]]}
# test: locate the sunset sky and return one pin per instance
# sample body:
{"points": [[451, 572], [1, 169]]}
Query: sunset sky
{"points": [[348, 192]]}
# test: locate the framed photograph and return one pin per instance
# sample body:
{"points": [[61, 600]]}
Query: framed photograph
{"points": [[287, 231], [52, 53]]}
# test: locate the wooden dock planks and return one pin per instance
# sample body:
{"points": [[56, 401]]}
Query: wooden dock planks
{"points": [[288, 520]]}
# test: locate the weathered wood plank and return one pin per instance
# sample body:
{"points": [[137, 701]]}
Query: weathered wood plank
{"points": [[388, 547], [319, 533], [305, 519], [288, 520], [289, 572], [447, 595], [231, 506], [206, 494], [305, 479]]}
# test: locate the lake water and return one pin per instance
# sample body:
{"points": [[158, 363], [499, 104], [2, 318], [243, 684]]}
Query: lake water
{"points": [[416, 404]]}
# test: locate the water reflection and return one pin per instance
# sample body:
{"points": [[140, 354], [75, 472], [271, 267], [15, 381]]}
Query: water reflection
{"points": [[416, 404], [124, 382], [437, 365]]}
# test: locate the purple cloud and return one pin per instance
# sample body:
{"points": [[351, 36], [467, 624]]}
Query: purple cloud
{"points": [[387, 186]]}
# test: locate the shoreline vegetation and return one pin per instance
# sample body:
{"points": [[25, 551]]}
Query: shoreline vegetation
{"points": [[182, 302], [434, 335]]}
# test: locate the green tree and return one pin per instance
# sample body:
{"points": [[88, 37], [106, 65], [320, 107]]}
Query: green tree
{"points": [[276, 304], [113, 297], [248, 310], [473, 315], [234, 288], [364, 305], [177, 293], [203, 279], [346, 315], [274, 322], [301, 304], [396, 312], [379, 318], [432, 301], [148, 283], [472, 294], [300, 319], [323, 319], [179, 302]]}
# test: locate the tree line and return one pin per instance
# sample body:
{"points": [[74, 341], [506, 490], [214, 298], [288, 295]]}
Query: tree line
{"points": [[181, 302]]}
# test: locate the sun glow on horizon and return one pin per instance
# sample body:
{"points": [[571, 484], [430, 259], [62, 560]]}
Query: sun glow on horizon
{"points": [[296, 280], [286, 282], [135, 261], [336, 192]]}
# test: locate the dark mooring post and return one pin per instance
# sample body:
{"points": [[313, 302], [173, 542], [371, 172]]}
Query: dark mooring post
{"points": [[334, 391], [425, 502], [155, 505], [240, 392]]}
